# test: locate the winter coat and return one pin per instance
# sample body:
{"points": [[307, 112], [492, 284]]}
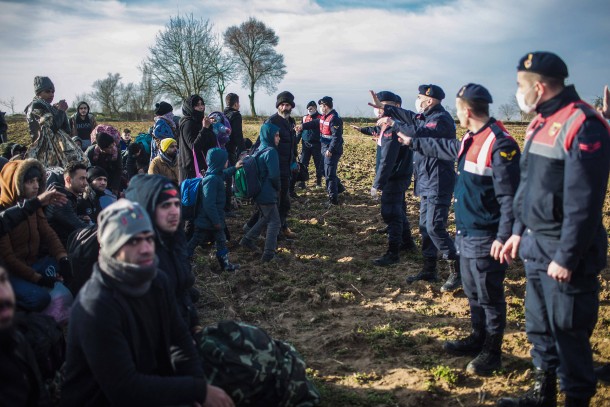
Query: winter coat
{"points": [[268, 166], [63, 219], [193, 136], [114, 168], [236, 143], [35, 112], [162, 166], [170, 249], [82, 127], [288, 146], [20, 248]]}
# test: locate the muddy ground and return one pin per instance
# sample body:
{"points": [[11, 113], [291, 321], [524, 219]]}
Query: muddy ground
{"points": [[369, 339]]}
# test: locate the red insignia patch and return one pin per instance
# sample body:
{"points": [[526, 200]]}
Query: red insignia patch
{"points": [[431, 125], [590, 148]]}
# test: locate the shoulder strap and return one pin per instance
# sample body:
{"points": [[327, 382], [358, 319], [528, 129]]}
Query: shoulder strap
{"points": [[498, 132]]}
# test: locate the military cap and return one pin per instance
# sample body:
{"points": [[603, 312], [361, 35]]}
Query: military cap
{"points": [[386, 96], [472, 91], [311, 104], [433, 91], [327, 100], [543, 63]]}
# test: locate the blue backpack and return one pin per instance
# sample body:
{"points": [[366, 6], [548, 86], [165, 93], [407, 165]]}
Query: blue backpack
{"points": [[145, 139], [190, 192]]}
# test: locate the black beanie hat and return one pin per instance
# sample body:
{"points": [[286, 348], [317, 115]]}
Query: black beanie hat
{"points": [[95, 172], [168, 191], [162, 108], [312, 104], [104, 140], [285, 97]]}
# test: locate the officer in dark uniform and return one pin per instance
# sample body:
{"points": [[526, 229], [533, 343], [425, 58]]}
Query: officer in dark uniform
{"points": [[331, 137], [310, 144], [558, 229], [488, 175], [392, 178], [435, 179]]}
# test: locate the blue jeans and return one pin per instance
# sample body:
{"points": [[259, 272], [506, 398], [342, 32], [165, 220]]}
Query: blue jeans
{"points": [[31, 296]]}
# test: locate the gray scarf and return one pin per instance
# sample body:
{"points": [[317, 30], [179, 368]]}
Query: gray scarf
{"points": [[130, 279]]}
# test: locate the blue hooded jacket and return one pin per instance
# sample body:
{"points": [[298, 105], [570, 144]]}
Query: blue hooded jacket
{"points": [[213, 189], [268, 165]]}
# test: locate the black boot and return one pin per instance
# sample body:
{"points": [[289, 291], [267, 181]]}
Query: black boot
{"points": [[490, 358], [428, 273], [603, 373], [455, 278], [408, 246], [223, 260], [391, 257], [572, 402], [470, 345], [542, 394]]}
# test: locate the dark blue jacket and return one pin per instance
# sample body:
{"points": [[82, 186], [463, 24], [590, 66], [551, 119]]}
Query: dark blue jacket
{"points": [[311, 135], [488, 175], [434, 176], [212, 212], [287, 149], [170, 248], [395, 162], [331, 130], [564, 180], [268, 166]]}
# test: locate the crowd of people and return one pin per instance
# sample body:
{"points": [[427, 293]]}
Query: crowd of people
{"points": [[133, 319]]}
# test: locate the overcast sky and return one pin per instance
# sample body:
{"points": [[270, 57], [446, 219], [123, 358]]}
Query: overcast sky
{"points": [[339, 48]]}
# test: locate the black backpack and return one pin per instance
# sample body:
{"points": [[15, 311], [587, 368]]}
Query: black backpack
{"points": [[83, 250]]}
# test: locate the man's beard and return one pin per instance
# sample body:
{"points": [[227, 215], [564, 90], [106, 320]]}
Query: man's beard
{"points": [[285, 113]]}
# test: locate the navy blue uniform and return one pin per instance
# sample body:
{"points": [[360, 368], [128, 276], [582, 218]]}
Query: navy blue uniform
{"points": [[393, 178], [331, 132], [434, 177], [558, 210], [311, 147], [488, 175]]}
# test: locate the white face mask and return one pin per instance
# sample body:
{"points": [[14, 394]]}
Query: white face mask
{"points": [[311, 112], [377, 112], [418, 106], [525, 108]]}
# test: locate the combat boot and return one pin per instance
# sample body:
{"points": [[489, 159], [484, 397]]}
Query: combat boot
{"points": [[223, 259], [603, 373], [470, 345], [387, 259], [490, 358], [573, 402], [454, 281], [542, 394], [408, 246], [428, 272]]}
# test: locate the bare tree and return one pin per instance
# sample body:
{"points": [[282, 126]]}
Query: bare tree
{"points": [[143, 95], [111, 94], [82, 97], [9, 104], [508, 111], [181, 63], [252, 44], [226, 70]]}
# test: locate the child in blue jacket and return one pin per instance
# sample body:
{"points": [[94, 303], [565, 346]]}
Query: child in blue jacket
{"points": [[210, 220]]}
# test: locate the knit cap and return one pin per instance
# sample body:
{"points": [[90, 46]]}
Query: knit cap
{"points": [[118, 223], [42, 83], [166, 143]]}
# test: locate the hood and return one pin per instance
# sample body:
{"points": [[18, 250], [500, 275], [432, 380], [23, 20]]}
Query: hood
{"points": [[267, 135], [12, 176], [216, 159], [83, 103], [145, 189], [187, 109]]}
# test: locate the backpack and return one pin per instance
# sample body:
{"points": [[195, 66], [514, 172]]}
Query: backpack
{"points": [[253, 368], [247, 180], [221, 128], [145, 139], [83, 250], [190, 192]]}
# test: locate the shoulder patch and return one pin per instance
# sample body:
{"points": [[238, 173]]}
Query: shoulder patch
{"points": [[431, 125], [590, 147], [508, 156]]}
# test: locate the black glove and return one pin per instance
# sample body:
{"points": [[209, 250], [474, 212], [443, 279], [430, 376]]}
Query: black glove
{"points": [[65, 268], [47, 281]]}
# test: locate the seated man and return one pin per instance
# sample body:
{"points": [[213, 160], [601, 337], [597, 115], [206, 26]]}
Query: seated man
{"points": [[64, 219], [20, 380], [96, 197], [30, 272], [127, 345], [166, 163]]}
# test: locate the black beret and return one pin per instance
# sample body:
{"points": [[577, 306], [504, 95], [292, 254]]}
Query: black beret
{"points": [[472, 91], [284, 97], [162, 108], [398, 99], [386, 96], [543, 63], [327, 100], [433, 91], [311, 103]]}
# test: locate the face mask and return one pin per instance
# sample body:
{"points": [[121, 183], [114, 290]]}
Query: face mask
{"points": [[418, 106], [312, 112], [377, 112], [525, 108]]}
